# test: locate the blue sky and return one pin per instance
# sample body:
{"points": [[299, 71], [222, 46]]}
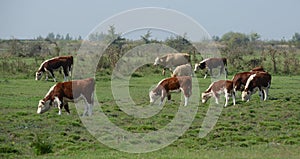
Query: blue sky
{"points": [[272, 19]]}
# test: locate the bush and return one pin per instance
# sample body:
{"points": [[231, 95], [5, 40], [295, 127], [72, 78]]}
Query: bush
{"points": [[41, 146]]}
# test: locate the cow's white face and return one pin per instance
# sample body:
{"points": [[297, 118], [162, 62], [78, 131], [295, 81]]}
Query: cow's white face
{"points": [[157, 61], [246, 95], [38, 75], [43, 106], [205, 97], [153, 97]]}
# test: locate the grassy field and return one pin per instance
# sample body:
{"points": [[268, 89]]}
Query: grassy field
{"points": [[255, 129]]}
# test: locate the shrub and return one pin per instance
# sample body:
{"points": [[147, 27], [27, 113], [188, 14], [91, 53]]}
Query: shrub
{"points": [[41, 146]]}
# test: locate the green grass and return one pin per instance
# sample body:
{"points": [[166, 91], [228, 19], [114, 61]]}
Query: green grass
{"points": [[255, 129]]}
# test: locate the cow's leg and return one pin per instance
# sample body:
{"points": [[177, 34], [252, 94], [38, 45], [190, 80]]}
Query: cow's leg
{"points": [[52, 74], [266, 91], [216, 95], [58, 102], [226, 72], [163, 95], [226, 98], [66, 106], [164, 71], [233, 97], [206, 72], [66, 73]]}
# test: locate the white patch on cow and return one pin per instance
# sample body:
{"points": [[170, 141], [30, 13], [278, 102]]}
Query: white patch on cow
{"points": [[249, 80], [50, 90], [204, 60]]}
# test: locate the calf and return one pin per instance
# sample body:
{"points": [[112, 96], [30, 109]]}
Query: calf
{"points": [[259, 81], [63, 92], [212, 63], [172, 60], [164, 88], [55, 63], [217, 88]]}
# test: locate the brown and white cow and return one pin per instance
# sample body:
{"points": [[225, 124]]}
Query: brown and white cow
{"points": [[258, 81], [172, 60], [240, 79], [55, 63], [71, 91], [217, 88], [211, 63], [172, 84]]}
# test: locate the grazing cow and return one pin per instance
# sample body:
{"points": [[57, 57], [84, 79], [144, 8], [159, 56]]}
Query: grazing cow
{"points": [[240, 79], [183, 70], [164, 88], [172, 60], [211, 63], [217, 88], [55, 63], [63, 92], [258, 81]]}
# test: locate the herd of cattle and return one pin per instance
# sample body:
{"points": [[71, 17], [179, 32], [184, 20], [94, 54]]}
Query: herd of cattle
{"points": [[179, 64]]}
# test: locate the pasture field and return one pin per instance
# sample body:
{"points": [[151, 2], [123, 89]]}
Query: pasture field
{"points": [[255, 129]]}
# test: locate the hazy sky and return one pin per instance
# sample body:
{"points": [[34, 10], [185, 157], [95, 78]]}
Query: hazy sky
{"points": [[272, 19]]}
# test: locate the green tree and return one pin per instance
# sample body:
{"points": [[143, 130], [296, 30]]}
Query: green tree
{"points": [[235, 39], [146, 37]]}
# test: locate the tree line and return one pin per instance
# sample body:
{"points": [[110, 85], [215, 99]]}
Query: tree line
{"points": [[243, 51]]}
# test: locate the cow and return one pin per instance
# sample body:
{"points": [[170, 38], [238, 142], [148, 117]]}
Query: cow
{"points": [[172, 84], [258, 81], [71, 91], [48, 66], [172, 60], [240, 79], [216, 89], [211, 63], [183, 70]]}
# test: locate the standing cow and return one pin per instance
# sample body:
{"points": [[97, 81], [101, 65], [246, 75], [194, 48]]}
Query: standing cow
{"points": [[172, 60], [55, 63], [63, 92], [240, 79], [211, 63], [258, 81]]}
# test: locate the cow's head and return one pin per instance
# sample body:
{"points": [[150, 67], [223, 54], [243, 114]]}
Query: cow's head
{"points": [[205, 97], [38, 75], [43, 106], [246, 95], [157, 61], [202, 65], [154, 95]]}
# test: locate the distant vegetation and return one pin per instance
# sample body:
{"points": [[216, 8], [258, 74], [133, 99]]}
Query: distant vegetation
{"points": [[244, 51]]}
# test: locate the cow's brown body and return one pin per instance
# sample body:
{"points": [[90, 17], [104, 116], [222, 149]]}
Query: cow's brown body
{"points": [[217, 88], [164, 88], [63, 92], [48, 66]]}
